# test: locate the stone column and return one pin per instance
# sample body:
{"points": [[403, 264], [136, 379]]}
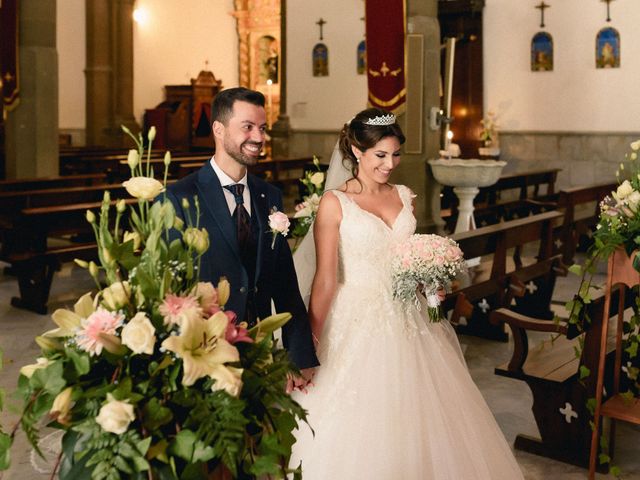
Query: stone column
{"points": [[31, 130], [123, 43], [281, 130], [99, 73], [422, 19], [109, 71]]}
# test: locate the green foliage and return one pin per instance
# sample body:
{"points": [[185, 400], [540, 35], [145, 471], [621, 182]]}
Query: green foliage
{"points": [[126, 409], [306, 211], [618, 227]]}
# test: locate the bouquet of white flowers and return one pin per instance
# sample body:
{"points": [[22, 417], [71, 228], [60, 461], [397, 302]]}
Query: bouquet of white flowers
{"points": [[425, 263], [150, 376]]}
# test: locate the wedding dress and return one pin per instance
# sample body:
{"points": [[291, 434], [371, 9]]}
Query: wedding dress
{"points": [[393, 398]]}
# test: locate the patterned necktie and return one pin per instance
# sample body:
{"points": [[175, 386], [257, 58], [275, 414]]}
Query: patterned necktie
{"points": [[243, 220]]}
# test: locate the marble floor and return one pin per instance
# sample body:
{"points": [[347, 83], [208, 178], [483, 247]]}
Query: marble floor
{"points": [[509, 400]]}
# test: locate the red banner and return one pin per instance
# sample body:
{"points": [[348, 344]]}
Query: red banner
{"points": [[385, 27], [9, 52]]}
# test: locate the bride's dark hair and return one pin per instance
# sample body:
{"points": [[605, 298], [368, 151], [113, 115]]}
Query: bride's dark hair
{"points": [[358, 134]]}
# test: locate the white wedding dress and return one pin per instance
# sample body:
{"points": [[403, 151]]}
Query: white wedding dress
{"points": [[392, 398]]}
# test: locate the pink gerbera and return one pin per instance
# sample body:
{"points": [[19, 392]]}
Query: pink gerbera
{"points": [[100, 321], [174, 308]]}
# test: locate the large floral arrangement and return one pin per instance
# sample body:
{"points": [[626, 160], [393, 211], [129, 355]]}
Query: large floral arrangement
{"points": [[151, 377], [426, 263], [618, 227], [306, 211]]}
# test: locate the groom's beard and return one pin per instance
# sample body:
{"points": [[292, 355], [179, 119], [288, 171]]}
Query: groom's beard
{"points": [[238, 155]]}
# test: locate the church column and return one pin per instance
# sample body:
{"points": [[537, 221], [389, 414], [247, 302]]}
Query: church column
{"points": [[31, 130], [123, 48], [99, 73], [281, 130], [109, 71], [422, 94]]}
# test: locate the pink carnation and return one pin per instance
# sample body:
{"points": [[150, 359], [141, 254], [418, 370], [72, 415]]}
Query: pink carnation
{"points": [[175, 307], [236, 332], [100, 321]]}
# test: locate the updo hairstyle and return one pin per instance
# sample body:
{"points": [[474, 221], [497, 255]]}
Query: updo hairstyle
{"points": [[362, 136]]}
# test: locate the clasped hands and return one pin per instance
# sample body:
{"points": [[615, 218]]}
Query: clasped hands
{"points": [[301, 382]]}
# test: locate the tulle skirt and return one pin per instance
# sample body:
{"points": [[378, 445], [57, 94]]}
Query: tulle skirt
{"points": [[393, 399]]}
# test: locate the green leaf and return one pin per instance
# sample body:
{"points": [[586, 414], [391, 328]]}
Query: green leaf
{"points": [[584, 372], [183, 445], [632, 350], [604, 458], [265, 465], [615, 471], [576, 269], [49, 379], [80, 360], [155, 414], [591, 405], [5, 448]]}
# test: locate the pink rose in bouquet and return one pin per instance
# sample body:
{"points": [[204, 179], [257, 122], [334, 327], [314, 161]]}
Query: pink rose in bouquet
{"points": [[425, 263]]}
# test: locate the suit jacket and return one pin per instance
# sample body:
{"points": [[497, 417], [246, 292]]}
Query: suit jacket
{"points": [[275, 276]]}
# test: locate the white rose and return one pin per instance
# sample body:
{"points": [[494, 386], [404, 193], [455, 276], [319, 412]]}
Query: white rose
{"points": [[115, 416], [228, 379], [317, 179], [116, 295], [279, 222], [624, 190], [139, 334], [28, 370], [634, 200], [144, 188]]}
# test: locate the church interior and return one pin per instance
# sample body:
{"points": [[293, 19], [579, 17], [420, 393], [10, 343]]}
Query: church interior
{"points": [[520, 119]]}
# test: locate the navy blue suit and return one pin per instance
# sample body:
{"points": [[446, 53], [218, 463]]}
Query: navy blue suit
{"points": [[275, 276]]}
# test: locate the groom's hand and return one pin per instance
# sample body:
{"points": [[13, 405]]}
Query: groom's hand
{"points": [[301, 382]]}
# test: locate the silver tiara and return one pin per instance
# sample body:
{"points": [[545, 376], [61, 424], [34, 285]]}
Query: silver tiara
{"points": [[381, 120]]}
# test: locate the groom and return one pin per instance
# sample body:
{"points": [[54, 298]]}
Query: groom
{"points": [[234, 208]]}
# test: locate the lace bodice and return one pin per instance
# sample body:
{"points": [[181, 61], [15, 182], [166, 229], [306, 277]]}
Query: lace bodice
{"points": [[366, 241]]}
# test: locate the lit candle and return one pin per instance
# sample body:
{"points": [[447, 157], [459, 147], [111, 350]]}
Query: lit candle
{"points": [[269, 103], [449, 137]]}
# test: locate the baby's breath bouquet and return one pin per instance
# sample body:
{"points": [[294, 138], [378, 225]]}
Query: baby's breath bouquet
{"points": [[150, 376], [306, 211]]}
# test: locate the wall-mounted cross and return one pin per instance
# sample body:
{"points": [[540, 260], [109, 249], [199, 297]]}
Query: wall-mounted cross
{"points": [[321, 23], [608, 2], [542, 7]]}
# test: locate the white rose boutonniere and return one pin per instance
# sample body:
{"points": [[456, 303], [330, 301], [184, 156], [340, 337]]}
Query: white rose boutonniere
{"points": [[279, 224]]}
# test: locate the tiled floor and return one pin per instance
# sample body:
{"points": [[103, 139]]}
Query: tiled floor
{"points": [[510, 400]]}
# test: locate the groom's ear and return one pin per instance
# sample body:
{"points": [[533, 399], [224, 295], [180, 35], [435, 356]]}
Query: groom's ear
{"points": [[218, 129]]}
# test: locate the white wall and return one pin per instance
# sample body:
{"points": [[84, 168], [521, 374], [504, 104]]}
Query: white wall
{"points": [[324, 102], [575, 96], [71, 45], [174, 43]]}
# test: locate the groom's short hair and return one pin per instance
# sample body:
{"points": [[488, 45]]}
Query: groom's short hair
{"points": [[222, 107]]}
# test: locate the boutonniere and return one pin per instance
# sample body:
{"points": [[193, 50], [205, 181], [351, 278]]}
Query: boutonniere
{"points": [[279, 224]]}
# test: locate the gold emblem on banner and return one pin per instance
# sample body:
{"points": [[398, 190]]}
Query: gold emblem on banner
{"points": [[385, 70]]}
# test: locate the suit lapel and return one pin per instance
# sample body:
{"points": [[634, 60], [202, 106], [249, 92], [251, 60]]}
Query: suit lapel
{"points": [[259, 208], [215, 203]]}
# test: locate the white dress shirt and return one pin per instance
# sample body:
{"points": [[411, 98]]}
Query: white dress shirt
{"points": [[227, 180]]}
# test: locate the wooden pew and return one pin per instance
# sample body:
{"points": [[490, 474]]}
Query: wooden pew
{"points": [[494, 283], [582, 209], [35, 259], [552, 372], [38, 183]]}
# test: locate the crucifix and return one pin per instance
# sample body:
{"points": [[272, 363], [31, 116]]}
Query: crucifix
{"points": [[608, 2], [542, 7], [321, 23]]}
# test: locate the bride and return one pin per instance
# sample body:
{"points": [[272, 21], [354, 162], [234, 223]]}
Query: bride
{"points": [[392, 398]]}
